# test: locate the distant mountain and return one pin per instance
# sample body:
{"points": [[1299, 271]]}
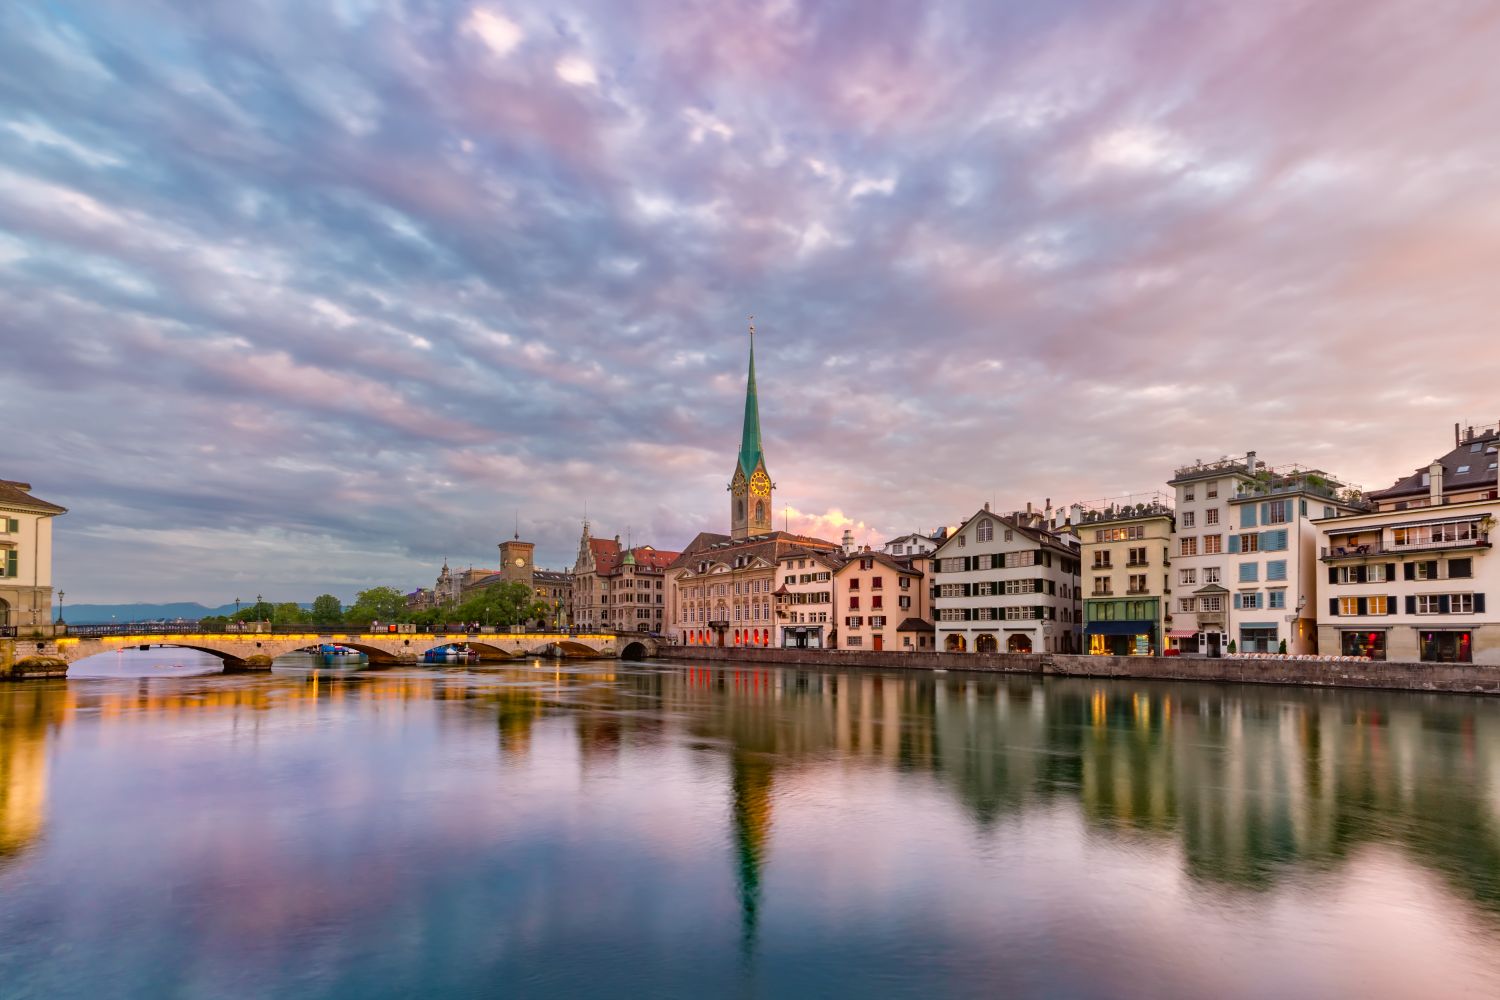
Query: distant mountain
{"points": [[103, 614]]}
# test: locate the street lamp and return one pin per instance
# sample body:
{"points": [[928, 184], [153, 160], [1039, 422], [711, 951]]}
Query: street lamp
{"points": [[60, 596]]}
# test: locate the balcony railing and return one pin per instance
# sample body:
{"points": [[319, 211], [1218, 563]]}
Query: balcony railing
{"points": [[1382, 547], [1102, 593], [1137, 591]]}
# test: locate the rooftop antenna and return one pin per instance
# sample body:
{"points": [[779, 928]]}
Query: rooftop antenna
{"points": [[786, 518]]}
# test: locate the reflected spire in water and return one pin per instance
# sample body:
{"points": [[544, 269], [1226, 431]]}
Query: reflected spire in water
{"points": [[751, 776]]}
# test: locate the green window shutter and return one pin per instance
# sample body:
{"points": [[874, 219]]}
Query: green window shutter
{"points": [[11, 560]]}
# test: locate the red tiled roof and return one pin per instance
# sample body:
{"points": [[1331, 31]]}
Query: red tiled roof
{"points": [[770, 546]]}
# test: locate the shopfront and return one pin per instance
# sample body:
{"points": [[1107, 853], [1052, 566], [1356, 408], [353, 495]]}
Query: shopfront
{"points": [[1259, 637], [1447, 645], [1369, 643], [1123, 638], [802, 637]]}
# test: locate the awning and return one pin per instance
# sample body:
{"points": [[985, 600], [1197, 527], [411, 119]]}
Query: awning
{"points": [[1120, 628], [1181, 633]]}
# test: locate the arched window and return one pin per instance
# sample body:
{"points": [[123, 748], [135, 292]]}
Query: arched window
{"points": [[986, 531], [739, 509], [760, 510]]}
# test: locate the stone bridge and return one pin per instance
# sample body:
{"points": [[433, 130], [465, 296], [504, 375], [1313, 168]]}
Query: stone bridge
{"points": [[256, 650]]}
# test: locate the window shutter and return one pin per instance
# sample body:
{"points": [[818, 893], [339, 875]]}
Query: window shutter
{"points": [[1432, 569], [1411, 604], [1390, 604], [1234, 543], [1247, 516], [11, 558], [1479, 604], [1409, 572], [1390, 571], [1236, 600], [1361, 575], [1363, 607], [1333, 607], [1333, 574], [1443, 604], [1265, 513]]}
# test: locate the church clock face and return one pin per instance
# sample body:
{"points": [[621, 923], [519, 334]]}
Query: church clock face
{"points": [[519, 561], [738, 486], [760, 484]]}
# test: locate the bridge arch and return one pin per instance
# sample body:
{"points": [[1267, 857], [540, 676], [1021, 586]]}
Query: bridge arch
{"points": [[634, 651]]}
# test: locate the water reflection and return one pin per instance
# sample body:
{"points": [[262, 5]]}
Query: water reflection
{"points": [[546, 800]]}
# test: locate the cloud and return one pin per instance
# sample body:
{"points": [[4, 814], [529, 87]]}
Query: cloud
{"points": [[374, 278]]}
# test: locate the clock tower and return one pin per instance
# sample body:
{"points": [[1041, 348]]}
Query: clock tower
{"points": [[750, 488], [515, 560]]}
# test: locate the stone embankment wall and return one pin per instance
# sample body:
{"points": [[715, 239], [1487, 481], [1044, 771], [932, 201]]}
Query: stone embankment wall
{"points": [[1458, 678]]}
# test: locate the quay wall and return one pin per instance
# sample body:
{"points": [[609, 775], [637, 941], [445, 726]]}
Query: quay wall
{"points": [[1455, 678]]}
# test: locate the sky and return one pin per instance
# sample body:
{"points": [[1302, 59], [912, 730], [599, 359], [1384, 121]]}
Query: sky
{"points": [[303, 297]]}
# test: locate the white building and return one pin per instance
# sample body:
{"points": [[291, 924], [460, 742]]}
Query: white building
{"points": [[25, 559], [1200, 599], [1409, 580], [910, 545], [1008, 583], [804, 598]]}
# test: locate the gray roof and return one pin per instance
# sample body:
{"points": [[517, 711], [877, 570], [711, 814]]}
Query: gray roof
{"points": [[1472, 456], [15, 494]]}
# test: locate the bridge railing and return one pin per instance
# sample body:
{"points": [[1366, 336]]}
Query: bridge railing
{"points": [[308, 628]]}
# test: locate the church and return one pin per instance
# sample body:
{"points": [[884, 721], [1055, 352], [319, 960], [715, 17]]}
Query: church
{"points": [[720, 589]]}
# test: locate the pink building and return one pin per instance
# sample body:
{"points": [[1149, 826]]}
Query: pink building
{"points": [[882, 603]]}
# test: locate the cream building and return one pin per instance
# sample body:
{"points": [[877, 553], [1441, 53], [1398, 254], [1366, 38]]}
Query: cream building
{"points": [[1410, 580], [1008, 583], [803, 598], [882, 603], [1127, 585], [615, 587], [25, 559]]}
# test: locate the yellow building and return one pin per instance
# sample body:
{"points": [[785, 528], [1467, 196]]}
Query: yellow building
{"points": [[1126, 549]]}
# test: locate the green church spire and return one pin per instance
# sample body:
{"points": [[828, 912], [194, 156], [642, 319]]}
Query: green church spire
{"points": [[750, 451]]}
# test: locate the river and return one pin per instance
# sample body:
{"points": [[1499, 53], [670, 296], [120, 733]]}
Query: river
{"points": [[565, 828]]}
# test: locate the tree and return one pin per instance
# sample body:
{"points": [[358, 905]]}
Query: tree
{"points": [[326, 610], [377, 604], [504, 604], [288, 613]]}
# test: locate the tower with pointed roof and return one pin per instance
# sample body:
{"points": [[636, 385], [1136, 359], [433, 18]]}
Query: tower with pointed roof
{"points": [[750, 488]]}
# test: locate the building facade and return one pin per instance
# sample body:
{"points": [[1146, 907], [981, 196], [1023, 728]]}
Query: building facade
{"points": [[1008, 584], [912, 545], [1200, 562], [882, 603], [803, 599], [1410, 579], [25, 559], [613, 587], [1126, 548]]}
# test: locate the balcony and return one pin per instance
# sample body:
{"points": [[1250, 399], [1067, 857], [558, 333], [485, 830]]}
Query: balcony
{"points": [[1102, 593], [1332, 553], [1138, 592], [1137, 564]]}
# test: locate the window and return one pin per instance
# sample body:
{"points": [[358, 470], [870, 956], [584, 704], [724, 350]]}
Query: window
{"points": [[1211, 516], [1187, 546], [876, 602], [1188, 520], [962, 541], [1023, 586], [1276, 569], [1276, 599], [1102, 585], [983, 614], [1249, 572], [1211, 602], [877, 621], [1249, 543], [1249, 599], [1189, 495], [950, 614], [1020, 614], [854, 640], [1138, 583], [1461, 604], [1138, 556], [1378, 604], [904, 603], [985, 532], [1185, 604], [1375, 573], [876, 582], [1010, 535], [1348, 605], [1427, 604], [1462, 469], [1424, 571], [1212, 491], [854, 583], [1189, 577], [1278, 512], [1211, 574], [951, 590], [1027, 558], [1213, 544], [1460, 568], [1102, 560]]}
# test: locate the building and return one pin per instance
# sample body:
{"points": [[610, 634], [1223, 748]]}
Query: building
{"points": [[1126, 548], [720, 588], [912, 545], [882, 603], [1245, 555], [804, 598], [615, 587], [1409, 579], [25, 559], [1008, 583]]}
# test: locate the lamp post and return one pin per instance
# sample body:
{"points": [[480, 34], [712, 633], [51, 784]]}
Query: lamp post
{"points": [[60, 596]]}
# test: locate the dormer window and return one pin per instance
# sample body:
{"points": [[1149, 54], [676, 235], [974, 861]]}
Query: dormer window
{"points": [[1462, 469], [985, 532]]}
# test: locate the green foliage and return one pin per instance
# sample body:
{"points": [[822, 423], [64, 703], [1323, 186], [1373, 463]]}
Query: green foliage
{"points": [[504, 604], [1282, 650], [377, 604], [260, 611], [1231, 646], [288, 613], [326, 610], [213, 623]]}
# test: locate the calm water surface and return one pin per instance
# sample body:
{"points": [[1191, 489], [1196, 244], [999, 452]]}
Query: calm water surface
{"points": [[596, 828]]}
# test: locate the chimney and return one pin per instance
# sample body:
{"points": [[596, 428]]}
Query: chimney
{"points": [[986, 505], [1456, 442], [1028, 510], [1435, 482], [1250, 462], [1075, 514]]}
